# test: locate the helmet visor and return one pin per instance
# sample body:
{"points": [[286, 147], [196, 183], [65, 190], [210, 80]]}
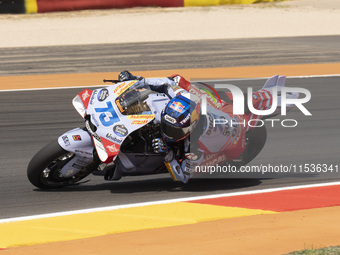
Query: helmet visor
{"points": [[173, 133]]}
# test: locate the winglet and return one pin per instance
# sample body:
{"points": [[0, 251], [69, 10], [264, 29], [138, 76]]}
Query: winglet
{"points": [[281, 82], [271, 82]]}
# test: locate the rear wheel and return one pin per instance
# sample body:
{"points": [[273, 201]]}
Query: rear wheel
{"points": [[256, 139], [43, 171]]}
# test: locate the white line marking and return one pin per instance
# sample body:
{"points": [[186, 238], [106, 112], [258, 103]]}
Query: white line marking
{"points": [[241, 79], [115, 207]]}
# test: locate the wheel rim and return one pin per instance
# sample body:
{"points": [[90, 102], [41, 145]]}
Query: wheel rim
{"points": [[51, 175]]}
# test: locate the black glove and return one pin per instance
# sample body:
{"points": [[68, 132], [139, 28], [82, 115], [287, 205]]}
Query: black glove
{"points": [[159, 146], [125, 76]]}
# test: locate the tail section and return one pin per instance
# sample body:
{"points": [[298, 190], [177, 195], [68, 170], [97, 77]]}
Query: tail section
{"points": [[263, 99], [271, 82], [275, 81]]}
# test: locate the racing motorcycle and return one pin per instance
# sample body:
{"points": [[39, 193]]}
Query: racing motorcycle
{"points": [[121, 121]]}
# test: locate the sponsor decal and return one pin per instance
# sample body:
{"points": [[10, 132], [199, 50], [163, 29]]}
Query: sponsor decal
{"points": [[93, 97], [119, 87], [120, 107], [211, 124], [103, 94], [215, 158], [76, 137], [175, 88], [85, 95], [187, 168], [142, 116], [122, 90], [66, 140], [113, 138], [185, 119], [83, 152], [122, 87], [120, 130], [137, 122], [170, 119], [94, 120], [112, 148], [177, 106], [79, 167]]}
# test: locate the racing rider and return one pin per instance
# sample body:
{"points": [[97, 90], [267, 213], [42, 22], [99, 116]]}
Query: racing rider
{"points": [[182, 123]]}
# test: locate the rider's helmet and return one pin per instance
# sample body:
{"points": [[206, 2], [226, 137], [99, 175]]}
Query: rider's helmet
{"points": [[179, 118]]}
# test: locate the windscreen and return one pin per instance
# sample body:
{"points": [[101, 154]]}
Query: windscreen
{"points": [[132, 100]]}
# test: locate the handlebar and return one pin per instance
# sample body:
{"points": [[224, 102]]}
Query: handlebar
{"points": [[113, 81]]}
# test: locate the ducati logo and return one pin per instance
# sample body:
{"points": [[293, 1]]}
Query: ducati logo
{"points": [[85, 95], [112, 148]]}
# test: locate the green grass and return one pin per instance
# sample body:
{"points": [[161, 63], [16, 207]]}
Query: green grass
{"points": [[333, 250]]}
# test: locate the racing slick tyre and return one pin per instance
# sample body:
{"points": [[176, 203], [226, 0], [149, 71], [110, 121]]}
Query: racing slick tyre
{"points": [[256, 139], [43, 171]]}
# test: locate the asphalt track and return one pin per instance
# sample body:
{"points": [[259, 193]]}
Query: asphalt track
{"points": [[30, 119], [169, 55]]}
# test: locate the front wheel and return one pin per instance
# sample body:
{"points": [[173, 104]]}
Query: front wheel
{"points": [[43, 171]]}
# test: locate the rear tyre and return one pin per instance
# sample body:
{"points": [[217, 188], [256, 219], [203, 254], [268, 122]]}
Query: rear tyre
{"points": [[43, 171], [256, 139]]}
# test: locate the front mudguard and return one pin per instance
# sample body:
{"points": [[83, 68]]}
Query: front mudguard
{"points": [[77, 141]]}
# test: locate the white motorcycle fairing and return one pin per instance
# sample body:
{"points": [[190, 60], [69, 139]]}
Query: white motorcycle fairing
{"points": [[78, 142], [106, 114]]}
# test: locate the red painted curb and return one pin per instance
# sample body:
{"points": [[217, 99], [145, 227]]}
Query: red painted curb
{"points": [[280, 201], [73, 5]]}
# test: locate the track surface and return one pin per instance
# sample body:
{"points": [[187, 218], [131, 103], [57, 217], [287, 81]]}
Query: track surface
{"points": [[169, 55], [30, 119]]}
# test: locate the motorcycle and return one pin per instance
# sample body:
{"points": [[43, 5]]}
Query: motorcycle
{"points": [[120, 123]]}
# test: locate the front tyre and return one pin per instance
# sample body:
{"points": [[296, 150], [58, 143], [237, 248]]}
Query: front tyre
{"points": [[43, 171]]}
